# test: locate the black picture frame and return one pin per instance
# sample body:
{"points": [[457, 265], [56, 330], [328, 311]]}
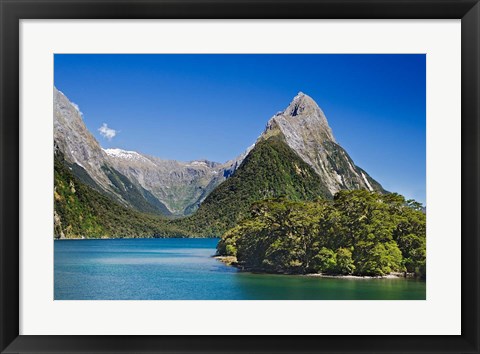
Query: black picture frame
{"points": [[12, 11]]}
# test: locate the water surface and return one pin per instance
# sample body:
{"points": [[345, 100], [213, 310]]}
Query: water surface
{"points": [[183, 269]]}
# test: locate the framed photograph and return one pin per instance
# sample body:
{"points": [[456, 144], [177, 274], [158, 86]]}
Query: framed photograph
{"points": [[269, 176]]}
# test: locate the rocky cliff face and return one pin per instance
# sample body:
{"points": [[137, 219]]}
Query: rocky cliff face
{"points": [[306, 131], [73, 139]]}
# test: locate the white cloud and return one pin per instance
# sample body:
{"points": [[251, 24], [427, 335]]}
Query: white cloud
{"points": [[77, 108], [106, 132]]}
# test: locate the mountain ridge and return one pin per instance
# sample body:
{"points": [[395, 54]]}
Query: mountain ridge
{"points": [[181, 186], [165, 187], [300, 159]]}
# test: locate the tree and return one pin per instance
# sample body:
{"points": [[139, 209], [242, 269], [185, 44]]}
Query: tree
{"points": [[345, 264]]}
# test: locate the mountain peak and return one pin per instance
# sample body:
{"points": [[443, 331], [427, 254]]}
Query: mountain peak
{"points": [[303, 104], [305, 129], [302, 120], [299, 96]]}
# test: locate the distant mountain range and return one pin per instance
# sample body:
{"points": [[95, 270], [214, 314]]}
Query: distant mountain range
{"points": [[143, 182], [296, 157]]}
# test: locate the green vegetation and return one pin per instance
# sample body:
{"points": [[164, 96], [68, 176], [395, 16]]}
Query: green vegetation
{"points": [[358, 232], [81, 211], [272, 169], [275, 214], [138, 197]]}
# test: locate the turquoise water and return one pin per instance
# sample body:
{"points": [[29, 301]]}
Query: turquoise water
{"points": [[183, 269]]}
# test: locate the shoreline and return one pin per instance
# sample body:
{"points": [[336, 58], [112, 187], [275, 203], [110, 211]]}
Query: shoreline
{"points": [[85, 238], [129, 238], [232, 262]]}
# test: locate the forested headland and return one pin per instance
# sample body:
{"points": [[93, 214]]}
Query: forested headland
{"points": [[357, 233]]}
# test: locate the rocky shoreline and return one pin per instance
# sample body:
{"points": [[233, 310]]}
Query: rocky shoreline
{"points": [[232, 261], [228, 260]]}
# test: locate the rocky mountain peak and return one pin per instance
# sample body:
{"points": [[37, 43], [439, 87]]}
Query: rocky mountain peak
{"points": [[302, 104], [303, 119], [304, 127]]}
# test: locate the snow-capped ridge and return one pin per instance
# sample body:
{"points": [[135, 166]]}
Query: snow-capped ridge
{"points": [[127, 155], [115, 152]]}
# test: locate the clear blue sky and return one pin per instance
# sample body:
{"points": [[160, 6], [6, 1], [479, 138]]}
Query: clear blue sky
{"points": [[188, 107]]}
